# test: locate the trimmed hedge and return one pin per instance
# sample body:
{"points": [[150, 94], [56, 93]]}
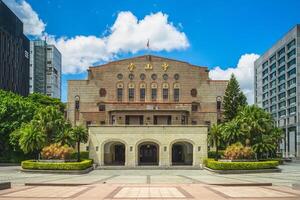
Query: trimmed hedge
{"points": [[31, 164], [217, 165]]}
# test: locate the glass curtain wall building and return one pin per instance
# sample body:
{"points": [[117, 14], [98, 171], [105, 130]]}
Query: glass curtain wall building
{"points": [[45, 69], [14, 53], [277, 89]]}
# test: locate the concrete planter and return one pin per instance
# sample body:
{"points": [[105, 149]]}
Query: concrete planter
{"points": [[244, 171], [51, 171]]}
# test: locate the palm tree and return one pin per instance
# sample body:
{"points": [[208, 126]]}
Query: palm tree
{"points": [[232, 133], [65, 136], [214, 137], [80, 134], [31, 139]]}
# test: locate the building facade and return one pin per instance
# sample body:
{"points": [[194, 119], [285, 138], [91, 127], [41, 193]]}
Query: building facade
{"points": [[146, 110], [14, 53], [45, 69], [277, 88]]}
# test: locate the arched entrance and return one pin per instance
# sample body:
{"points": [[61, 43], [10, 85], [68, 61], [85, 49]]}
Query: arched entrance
{"points": [[182, 153], [114, 153], [148, 153]]}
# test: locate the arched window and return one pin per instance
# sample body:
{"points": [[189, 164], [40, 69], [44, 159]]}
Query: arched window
{"points": [[194, 92], [176, 92], [120, 92], [154, 91], [77, 102], [131, 92], [165, 91], [142, 91], [102, 92]]}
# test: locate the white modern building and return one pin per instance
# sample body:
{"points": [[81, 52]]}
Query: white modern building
{"points": [[277, 88], [45, 69]]}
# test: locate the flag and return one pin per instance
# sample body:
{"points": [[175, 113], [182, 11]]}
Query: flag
{"points": [[148, 44]]}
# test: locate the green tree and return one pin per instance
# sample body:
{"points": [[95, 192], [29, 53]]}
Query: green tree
{"points": [[233, 99], [65, 136], [47, 101], [214, 137], [31, 139], [232, 132], [80, 135]]}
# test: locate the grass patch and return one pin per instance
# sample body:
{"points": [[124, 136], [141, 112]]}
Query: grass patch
{"points": [[31, 164], [217, 165]]}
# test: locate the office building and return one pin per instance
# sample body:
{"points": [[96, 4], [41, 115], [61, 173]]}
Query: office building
{"points": [[277, 88], [14, 53]]}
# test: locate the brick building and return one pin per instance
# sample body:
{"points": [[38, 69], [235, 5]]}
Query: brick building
{"points": [[146, 110]]}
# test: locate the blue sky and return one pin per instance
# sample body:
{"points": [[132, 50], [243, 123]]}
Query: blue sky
{"points": [[225, 33]]}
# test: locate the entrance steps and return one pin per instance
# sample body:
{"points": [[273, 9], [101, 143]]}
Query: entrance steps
{"points": [[148, 168]]}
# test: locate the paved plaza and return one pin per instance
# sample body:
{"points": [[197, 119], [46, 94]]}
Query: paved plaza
{"points": [[151, 184]]}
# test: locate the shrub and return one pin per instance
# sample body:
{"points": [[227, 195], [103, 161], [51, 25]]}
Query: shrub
{"points": [[56, 151], [31, 164], [217, 165], [212, 154], [238, 151], [83, 155]]}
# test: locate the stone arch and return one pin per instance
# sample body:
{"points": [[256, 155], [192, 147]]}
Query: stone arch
{"points": [[148, 152], [182, 152], [114, 152]]}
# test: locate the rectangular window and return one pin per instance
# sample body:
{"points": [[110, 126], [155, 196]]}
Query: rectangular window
{"points": [[272, 92], [292, 82], [272, 108], [292, 91], [292, 110], [120, 94], [272, 100], [265, 64], [281, 87], [131, 94], [281, 96], [101, 107], [272, 83], [165, 94], [281, 113], [265, 95], [281, 60], [273, 58], [194, 107], [273, 67], [291, 53], [272, 75], [265, 80], [265, 103], [265, 72], [291, 72], [265, 88], [176, 94], [291, 63], [142, 94], [154, 94], [281, 52], [281, 105], [291, 44], [281, 78], [281, 69], [292, 101]]}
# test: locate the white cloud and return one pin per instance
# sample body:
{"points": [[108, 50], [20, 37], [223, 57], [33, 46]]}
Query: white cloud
{"points": [[33, 25], [126, 35], [244, 72]]}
